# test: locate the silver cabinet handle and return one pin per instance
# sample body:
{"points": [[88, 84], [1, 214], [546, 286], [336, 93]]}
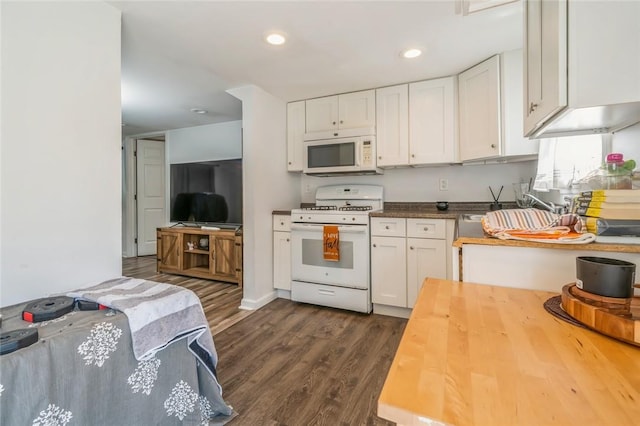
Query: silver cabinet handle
{"points": [[425, 228], [493, 145], [281, 223], [532, 107], [386, 227], [374, 246], [287, 240], [341, 122], [333, 122], [410, 247]]}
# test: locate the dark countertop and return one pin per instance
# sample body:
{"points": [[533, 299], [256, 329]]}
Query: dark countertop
{"points": [[426, 209], [429, 211]]}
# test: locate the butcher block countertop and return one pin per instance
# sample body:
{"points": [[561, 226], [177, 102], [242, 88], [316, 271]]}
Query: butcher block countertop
{"points": [[485, 355]]}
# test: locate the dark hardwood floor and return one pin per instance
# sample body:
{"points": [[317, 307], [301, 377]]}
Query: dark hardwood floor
{"points": [[295, 364]]}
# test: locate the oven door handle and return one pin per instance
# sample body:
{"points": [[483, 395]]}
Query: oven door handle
{"points": [[349, 229]]}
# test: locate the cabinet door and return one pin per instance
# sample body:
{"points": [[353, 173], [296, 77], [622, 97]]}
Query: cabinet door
{"points": [[322, 114], [169, 251], [432, 118], [357, 109], [282, 260], [425, 258], [295, 134], [514, 141], [545, 61], [392, 126], [479, 103], [224, 256], [389, 271]]}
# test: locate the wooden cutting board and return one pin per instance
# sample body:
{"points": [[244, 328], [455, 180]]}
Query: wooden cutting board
{"points": [[615, 317]]}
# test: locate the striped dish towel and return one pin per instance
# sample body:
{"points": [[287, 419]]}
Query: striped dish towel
{"points": [[535, 225]]}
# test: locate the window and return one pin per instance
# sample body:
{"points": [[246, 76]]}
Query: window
{"points": [[563, 162]]}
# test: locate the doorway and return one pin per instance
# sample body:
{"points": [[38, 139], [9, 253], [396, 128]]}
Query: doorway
{"points": [[144, 193]]}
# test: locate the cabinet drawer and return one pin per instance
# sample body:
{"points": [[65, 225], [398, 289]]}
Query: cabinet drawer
{"points": [[281, 223], [388, 226], [426, 228]]}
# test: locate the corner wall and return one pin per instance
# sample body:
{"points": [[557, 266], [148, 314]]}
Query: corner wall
{"points": [[60, 171], [268, 186]]}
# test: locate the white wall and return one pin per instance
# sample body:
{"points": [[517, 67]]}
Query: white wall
{"points": [[220, 141], [61, 162], [268, 186], [466, 183]]}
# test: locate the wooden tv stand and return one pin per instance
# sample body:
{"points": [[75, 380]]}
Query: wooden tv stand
{"points": [[201, 253]]}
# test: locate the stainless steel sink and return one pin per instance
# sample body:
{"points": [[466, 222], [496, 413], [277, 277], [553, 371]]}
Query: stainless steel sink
{"points": [[469, 226], [467, 217]]}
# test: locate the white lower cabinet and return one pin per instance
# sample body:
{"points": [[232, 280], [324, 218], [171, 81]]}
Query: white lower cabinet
{"points": [[282, 252], [389, 271], [403, 253], [425, 258]]}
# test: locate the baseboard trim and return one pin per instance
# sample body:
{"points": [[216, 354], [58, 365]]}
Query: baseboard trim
{"points": [[252, 304], [392, 311]]}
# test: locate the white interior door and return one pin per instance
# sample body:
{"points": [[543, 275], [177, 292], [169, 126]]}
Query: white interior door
{"points": [[150, 193]]}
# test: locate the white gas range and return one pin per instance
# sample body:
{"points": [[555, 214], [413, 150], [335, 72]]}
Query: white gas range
{"points": [[343, 283]]}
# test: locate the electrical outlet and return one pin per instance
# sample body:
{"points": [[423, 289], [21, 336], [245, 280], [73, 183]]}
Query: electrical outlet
{"points": [[444, 185]]}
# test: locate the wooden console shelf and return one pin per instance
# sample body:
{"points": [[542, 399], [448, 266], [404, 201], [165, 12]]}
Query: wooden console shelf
{"points": [[201, 253]]}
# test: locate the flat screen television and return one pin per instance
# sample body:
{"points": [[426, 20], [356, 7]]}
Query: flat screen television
{"points": [[207, 192]]}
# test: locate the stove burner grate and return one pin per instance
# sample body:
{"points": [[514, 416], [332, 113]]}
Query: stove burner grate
{"points": [[356, 208], [321, 208]]}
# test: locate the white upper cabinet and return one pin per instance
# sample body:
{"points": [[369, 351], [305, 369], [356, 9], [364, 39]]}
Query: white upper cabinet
{"points": [[432, 121], [544, 100], [344, 111], [416, 123], [479, 99], [490, 107], [392, 126], [582, 62], [295, 135]]}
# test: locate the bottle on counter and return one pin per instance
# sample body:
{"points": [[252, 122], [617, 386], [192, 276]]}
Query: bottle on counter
{"points": [[613, 174]]}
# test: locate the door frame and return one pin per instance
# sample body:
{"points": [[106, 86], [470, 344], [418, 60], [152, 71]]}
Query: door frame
{"points": [[129, 190]]}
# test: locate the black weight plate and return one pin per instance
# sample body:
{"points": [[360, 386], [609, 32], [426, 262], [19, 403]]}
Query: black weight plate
{"points": [[85, 305], [48, 308], [17, 339]]}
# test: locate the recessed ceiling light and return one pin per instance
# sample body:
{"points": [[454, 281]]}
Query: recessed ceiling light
{"points": [[275, 39], [411, 53], [199, 110]]}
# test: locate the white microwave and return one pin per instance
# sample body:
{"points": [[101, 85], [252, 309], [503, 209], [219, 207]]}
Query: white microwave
{"points": [[341, 156]]}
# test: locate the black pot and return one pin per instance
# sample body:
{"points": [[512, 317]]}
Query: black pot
{"points": [[604, 276]]}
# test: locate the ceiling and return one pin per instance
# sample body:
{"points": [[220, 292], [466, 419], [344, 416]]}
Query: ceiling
{"points": [[179, 55]]}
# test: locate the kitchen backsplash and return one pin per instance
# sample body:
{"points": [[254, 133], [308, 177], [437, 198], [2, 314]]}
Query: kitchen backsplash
{"points": [[464, 183]]}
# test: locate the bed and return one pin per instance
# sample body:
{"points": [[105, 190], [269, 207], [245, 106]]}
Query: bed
{"points": [[103, 367]]}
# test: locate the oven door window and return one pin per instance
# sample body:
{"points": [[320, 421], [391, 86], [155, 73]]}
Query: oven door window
{"points": [[331, 155], [313, 254]]}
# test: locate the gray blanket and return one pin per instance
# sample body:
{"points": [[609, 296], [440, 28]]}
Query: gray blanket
{"points": [[82, 371], [159, 314]]}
